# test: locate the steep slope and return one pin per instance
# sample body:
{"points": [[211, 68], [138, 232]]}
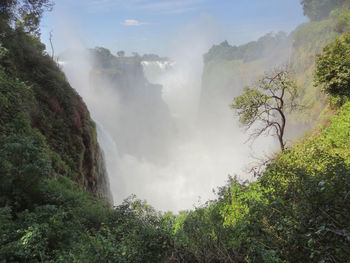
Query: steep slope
{"points": [[37, 99], [140, 106], [228, 69], [296, 211]]}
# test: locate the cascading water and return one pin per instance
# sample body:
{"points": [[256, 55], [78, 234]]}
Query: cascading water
{"points": [[166, 157], [163, 139], [205, 153], [154, 69], [111, 157]]}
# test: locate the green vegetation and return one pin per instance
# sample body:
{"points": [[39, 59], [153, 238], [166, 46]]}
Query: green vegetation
{"points": [[265, 105], [296, 211], [229, 68], [341, 19], [32, 86], [248, 52], [333, 69], [24, 13], [51, 170], [308, 41], [320, 9], [153, 57]]}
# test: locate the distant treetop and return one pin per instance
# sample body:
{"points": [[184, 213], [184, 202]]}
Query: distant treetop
{"points": [[320, 9], [153, 57], [250, 51], [332, 70]]}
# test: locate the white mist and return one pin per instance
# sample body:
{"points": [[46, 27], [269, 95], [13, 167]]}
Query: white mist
{"points": [[199, 158]]}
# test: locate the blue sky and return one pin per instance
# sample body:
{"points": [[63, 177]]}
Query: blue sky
{"points": [[146, 26]]}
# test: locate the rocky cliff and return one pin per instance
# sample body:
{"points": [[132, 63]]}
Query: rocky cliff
{"points": [[139, 119], [36, 98]]}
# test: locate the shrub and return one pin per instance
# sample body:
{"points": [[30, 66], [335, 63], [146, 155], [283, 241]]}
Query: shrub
{"points": [[333, 70]]}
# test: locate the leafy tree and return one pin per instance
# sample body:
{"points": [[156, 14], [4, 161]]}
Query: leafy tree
{"points": [[22, 166], [153, 57], [25, 13], [333, 69], [264, 106], [319, 9], [121, 53], [3, 51], [341, 20], [136, 55], [248, 52]]}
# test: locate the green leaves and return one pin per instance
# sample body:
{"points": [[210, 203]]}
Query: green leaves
{"points": [[248, 52], [297, 210], [25, 14], [249, 105], [264, 106], [320, 9], [333, 70], [22, 166]]}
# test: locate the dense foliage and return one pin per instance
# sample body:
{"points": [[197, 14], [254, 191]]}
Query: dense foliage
{"points": [[250, 51], [51, 168], [52, 108], [24, 13], [320, 9], [153, 57], [296, 211], [333, 69]]}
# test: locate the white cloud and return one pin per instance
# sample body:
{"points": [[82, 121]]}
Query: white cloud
{"points": [[133, 22], [162, 6]]}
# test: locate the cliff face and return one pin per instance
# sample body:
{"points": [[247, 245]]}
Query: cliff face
{"points": [[52, 109], [139, 119], [228, 69], [72, 134]]}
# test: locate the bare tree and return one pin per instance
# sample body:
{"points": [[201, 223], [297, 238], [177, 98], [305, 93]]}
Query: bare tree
{"points": [[52, 50], [263, 107]]}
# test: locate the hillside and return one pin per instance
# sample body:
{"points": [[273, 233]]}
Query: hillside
{"points": [[39, 107], [228, 69], [54, 190], [296, 211]]}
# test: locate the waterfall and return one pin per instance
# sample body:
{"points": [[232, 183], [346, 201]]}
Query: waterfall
{"points": [[147, 123], [111, 158]]}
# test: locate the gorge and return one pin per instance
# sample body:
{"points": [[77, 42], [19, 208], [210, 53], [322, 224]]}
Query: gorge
{"points": [[111, 156]]}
